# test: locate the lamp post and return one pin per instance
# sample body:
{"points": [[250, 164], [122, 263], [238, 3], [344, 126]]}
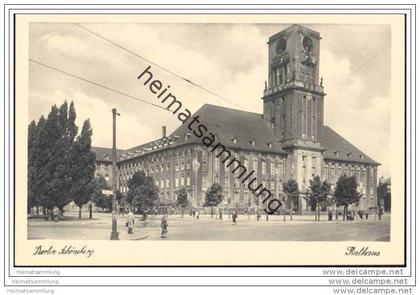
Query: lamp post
{"points": [[114, 233]]}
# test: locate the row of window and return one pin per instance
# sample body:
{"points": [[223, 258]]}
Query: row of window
{"points": [[333, 172]]}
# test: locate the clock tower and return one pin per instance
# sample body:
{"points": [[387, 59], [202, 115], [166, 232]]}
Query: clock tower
{"points": [[294, 99]]}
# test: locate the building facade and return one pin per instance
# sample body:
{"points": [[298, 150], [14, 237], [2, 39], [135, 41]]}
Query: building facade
{"points": [[384, 194], [288, 141]]}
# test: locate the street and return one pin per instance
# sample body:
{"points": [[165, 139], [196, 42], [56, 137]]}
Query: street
{"points": [[302, 228]]}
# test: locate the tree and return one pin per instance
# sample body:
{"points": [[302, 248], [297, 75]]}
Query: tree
{"points": [[54, 171], [346, 192], [101, 200], [214, 196], [82, 168], [39, 169], [291, 191], [59, 180], [142, 192], [32, 165], [319, 192], [182, 199], [121, 200]]}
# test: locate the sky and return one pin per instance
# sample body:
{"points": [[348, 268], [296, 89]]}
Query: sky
{"points": [[228, 59]]}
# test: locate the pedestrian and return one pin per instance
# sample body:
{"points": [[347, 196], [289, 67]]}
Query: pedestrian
{"points": [[55, 213], [193, 212], [330, 215], [164, 226], [234, 216], [198, 214], [220, 214], [130, 222]]}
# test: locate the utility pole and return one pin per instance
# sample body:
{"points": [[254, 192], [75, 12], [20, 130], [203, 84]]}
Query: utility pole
{"points": [[114, 233]]}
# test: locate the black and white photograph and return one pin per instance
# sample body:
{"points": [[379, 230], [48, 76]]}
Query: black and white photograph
{"points": [[202, 148], [222, 132], [151, 140]]}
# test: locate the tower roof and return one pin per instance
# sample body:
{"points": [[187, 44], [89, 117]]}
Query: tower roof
{"points": [[295, 28]]}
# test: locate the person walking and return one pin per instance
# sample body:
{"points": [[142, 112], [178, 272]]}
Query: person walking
{"points": [[130, 222], [234, 216], [220, 214], [164, 226], [55, 213], [198, 214]]}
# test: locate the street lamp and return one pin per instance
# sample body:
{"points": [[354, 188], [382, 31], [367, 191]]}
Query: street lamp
{"points": [[114, 232]]}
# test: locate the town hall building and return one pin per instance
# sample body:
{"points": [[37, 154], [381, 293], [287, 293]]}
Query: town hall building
{"points": [[288, 141]]}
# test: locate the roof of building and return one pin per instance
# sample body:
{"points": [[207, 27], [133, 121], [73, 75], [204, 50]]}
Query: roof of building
{"points": [[237, 129], [385, 180], [338, 148], [233, 128], [105, 154]]}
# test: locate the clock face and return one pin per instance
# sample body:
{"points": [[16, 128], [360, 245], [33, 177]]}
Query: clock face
{"points": [[307, 44], [281, 45]]}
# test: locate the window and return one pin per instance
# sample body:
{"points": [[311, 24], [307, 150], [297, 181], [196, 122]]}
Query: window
{"points": [[263, 167], [235, 198], [216, 164], [313, 166], [216, 179], [167, 183], [255, 165], [182, 179], [176, 181], [188, 180], [226, 181], [236, 182]]}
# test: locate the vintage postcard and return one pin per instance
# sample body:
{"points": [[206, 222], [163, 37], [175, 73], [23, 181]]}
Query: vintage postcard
{"points": [[227, 140]]}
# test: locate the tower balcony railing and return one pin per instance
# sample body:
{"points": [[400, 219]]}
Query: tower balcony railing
{"points": [[293, 84]]}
